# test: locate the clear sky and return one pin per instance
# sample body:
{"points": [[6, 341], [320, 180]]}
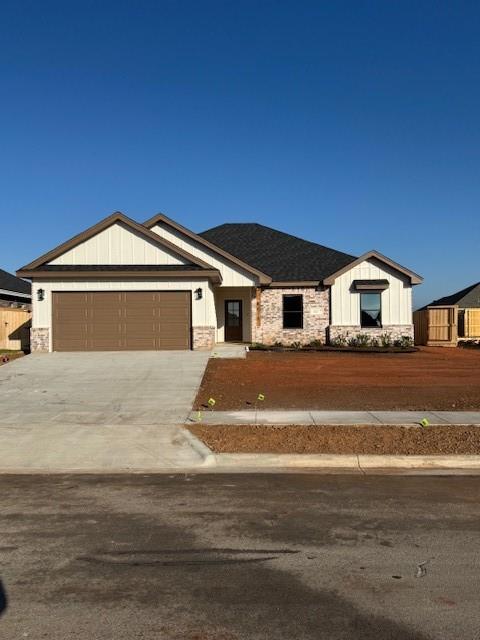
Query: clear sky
{"points": [[353, 124]]}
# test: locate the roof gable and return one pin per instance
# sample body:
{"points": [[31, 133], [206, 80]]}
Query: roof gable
{"points": [[124, 223], [161, 219], [411, 275], [284, 257]]}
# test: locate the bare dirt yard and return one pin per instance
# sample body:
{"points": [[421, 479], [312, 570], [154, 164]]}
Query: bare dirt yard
{"points": [[430, 379], [358, 439]]}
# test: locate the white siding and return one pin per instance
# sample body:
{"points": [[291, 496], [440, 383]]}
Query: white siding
{"points": [[396, 300], [203, 311], [118, 245], [233, 276]]}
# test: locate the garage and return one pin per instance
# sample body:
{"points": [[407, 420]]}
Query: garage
{"points": [[121, 320]]}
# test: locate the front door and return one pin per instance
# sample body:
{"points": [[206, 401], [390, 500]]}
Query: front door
{"points": [[233, 321]]}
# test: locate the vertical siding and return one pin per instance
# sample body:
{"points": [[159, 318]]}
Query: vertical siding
{"points": [[396, 300], [233, 276], [118, 245]]}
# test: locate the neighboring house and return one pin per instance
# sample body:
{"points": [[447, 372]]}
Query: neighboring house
{"points": [[15, 299], [123, 285], [14, 292], [468, 302]]}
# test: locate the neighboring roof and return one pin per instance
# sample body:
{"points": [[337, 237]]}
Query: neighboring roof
{"points": [[414, 277], [100, 226], [282, 256], [161, 218], [467, 298], [10, 283]]}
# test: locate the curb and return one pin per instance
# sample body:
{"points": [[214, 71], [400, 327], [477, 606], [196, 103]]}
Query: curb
{"points": [[199, 447], [361, 463]]}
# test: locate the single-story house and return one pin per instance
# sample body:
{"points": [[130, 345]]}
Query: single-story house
{"points": [[14, 292], [121, 285]]}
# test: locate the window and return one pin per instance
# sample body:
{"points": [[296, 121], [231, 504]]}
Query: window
{"points": [[370, 310], [293, 312]]}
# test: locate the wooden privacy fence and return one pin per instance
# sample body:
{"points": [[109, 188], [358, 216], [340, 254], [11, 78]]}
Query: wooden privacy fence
{"points": [[471, 323], [14, 328], [436, 326]]}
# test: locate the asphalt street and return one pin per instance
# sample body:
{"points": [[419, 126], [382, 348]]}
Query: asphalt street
{"points": [[233, 557]]}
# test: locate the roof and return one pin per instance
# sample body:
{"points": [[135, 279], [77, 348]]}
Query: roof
{"points": [[9, 282], [116, 217], [282, 256], [466, 298]]}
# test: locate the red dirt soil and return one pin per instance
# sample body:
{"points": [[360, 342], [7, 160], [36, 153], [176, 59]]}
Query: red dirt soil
{"points": [[430, 379], [358, 439]]}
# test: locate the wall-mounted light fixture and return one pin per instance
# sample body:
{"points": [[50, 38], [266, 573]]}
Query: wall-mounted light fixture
{"points": [[198, 294], [40, 294]]}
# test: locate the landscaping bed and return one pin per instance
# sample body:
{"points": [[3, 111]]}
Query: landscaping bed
{"points": [[333, 439], [335, 349], [434, 378]]}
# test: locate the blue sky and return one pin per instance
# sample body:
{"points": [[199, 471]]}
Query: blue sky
{"points": [[353, 124]]}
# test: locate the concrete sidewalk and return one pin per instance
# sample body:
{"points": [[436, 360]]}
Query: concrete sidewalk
{"points": [[335, 417]]}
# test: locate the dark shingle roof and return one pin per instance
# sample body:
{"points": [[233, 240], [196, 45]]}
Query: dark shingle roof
{"points": [[9, 282], [467, 298], [277, 254]]}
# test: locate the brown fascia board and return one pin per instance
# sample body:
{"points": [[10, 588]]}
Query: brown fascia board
{"points": [[118, 216], [414, 277], [295, 283], [212, 274], [161, 217]]}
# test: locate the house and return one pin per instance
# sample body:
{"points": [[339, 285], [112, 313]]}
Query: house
{"points": [[14, 292], [467, 302], [121, 285]]}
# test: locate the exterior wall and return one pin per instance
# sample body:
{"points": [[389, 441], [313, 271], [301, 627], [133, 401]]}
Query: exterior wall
{"points": [[394, 331], [203, 311], [315, 316], [244, 294], [233, 276], [396, 300], [203, 337], [118, 245], [39, 339]]}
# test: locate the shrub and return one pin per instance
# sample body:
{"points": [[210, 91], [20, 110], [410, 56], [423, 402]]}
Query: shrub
{"points": [[363, 340], [353, 341], [316, 344], [404, 342], [339, 341], [259, 346], [386, 340], [296, 345]]}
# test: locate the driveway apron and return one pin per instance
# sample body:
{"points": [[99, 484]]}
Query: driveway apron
{"points": [[98, 410]]}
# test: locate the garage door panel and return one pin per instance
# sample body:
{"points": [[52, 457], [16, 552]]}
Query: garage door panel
{"points": [[112, 321]]}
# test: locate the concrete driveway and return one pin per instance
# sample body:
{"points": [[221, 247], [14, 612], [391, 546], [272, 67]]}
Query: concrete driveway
{"points": [[98, 410]]}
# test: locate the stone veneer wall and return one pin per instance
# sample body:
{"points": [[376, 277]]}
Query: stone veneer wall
{"points": [[315, 316], [203, 337], [395, 331], [39, 339]]}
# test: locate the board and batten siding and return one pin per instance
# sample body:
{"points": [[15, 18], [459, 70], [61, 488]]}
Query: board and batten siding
{"points": [[203, 311], [118, 245], [232, 275], [396, 299]]}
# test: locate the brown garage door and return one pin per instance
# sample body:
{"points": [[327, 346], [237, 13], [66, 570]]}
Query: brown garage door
{"points": [[121, 321]]}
